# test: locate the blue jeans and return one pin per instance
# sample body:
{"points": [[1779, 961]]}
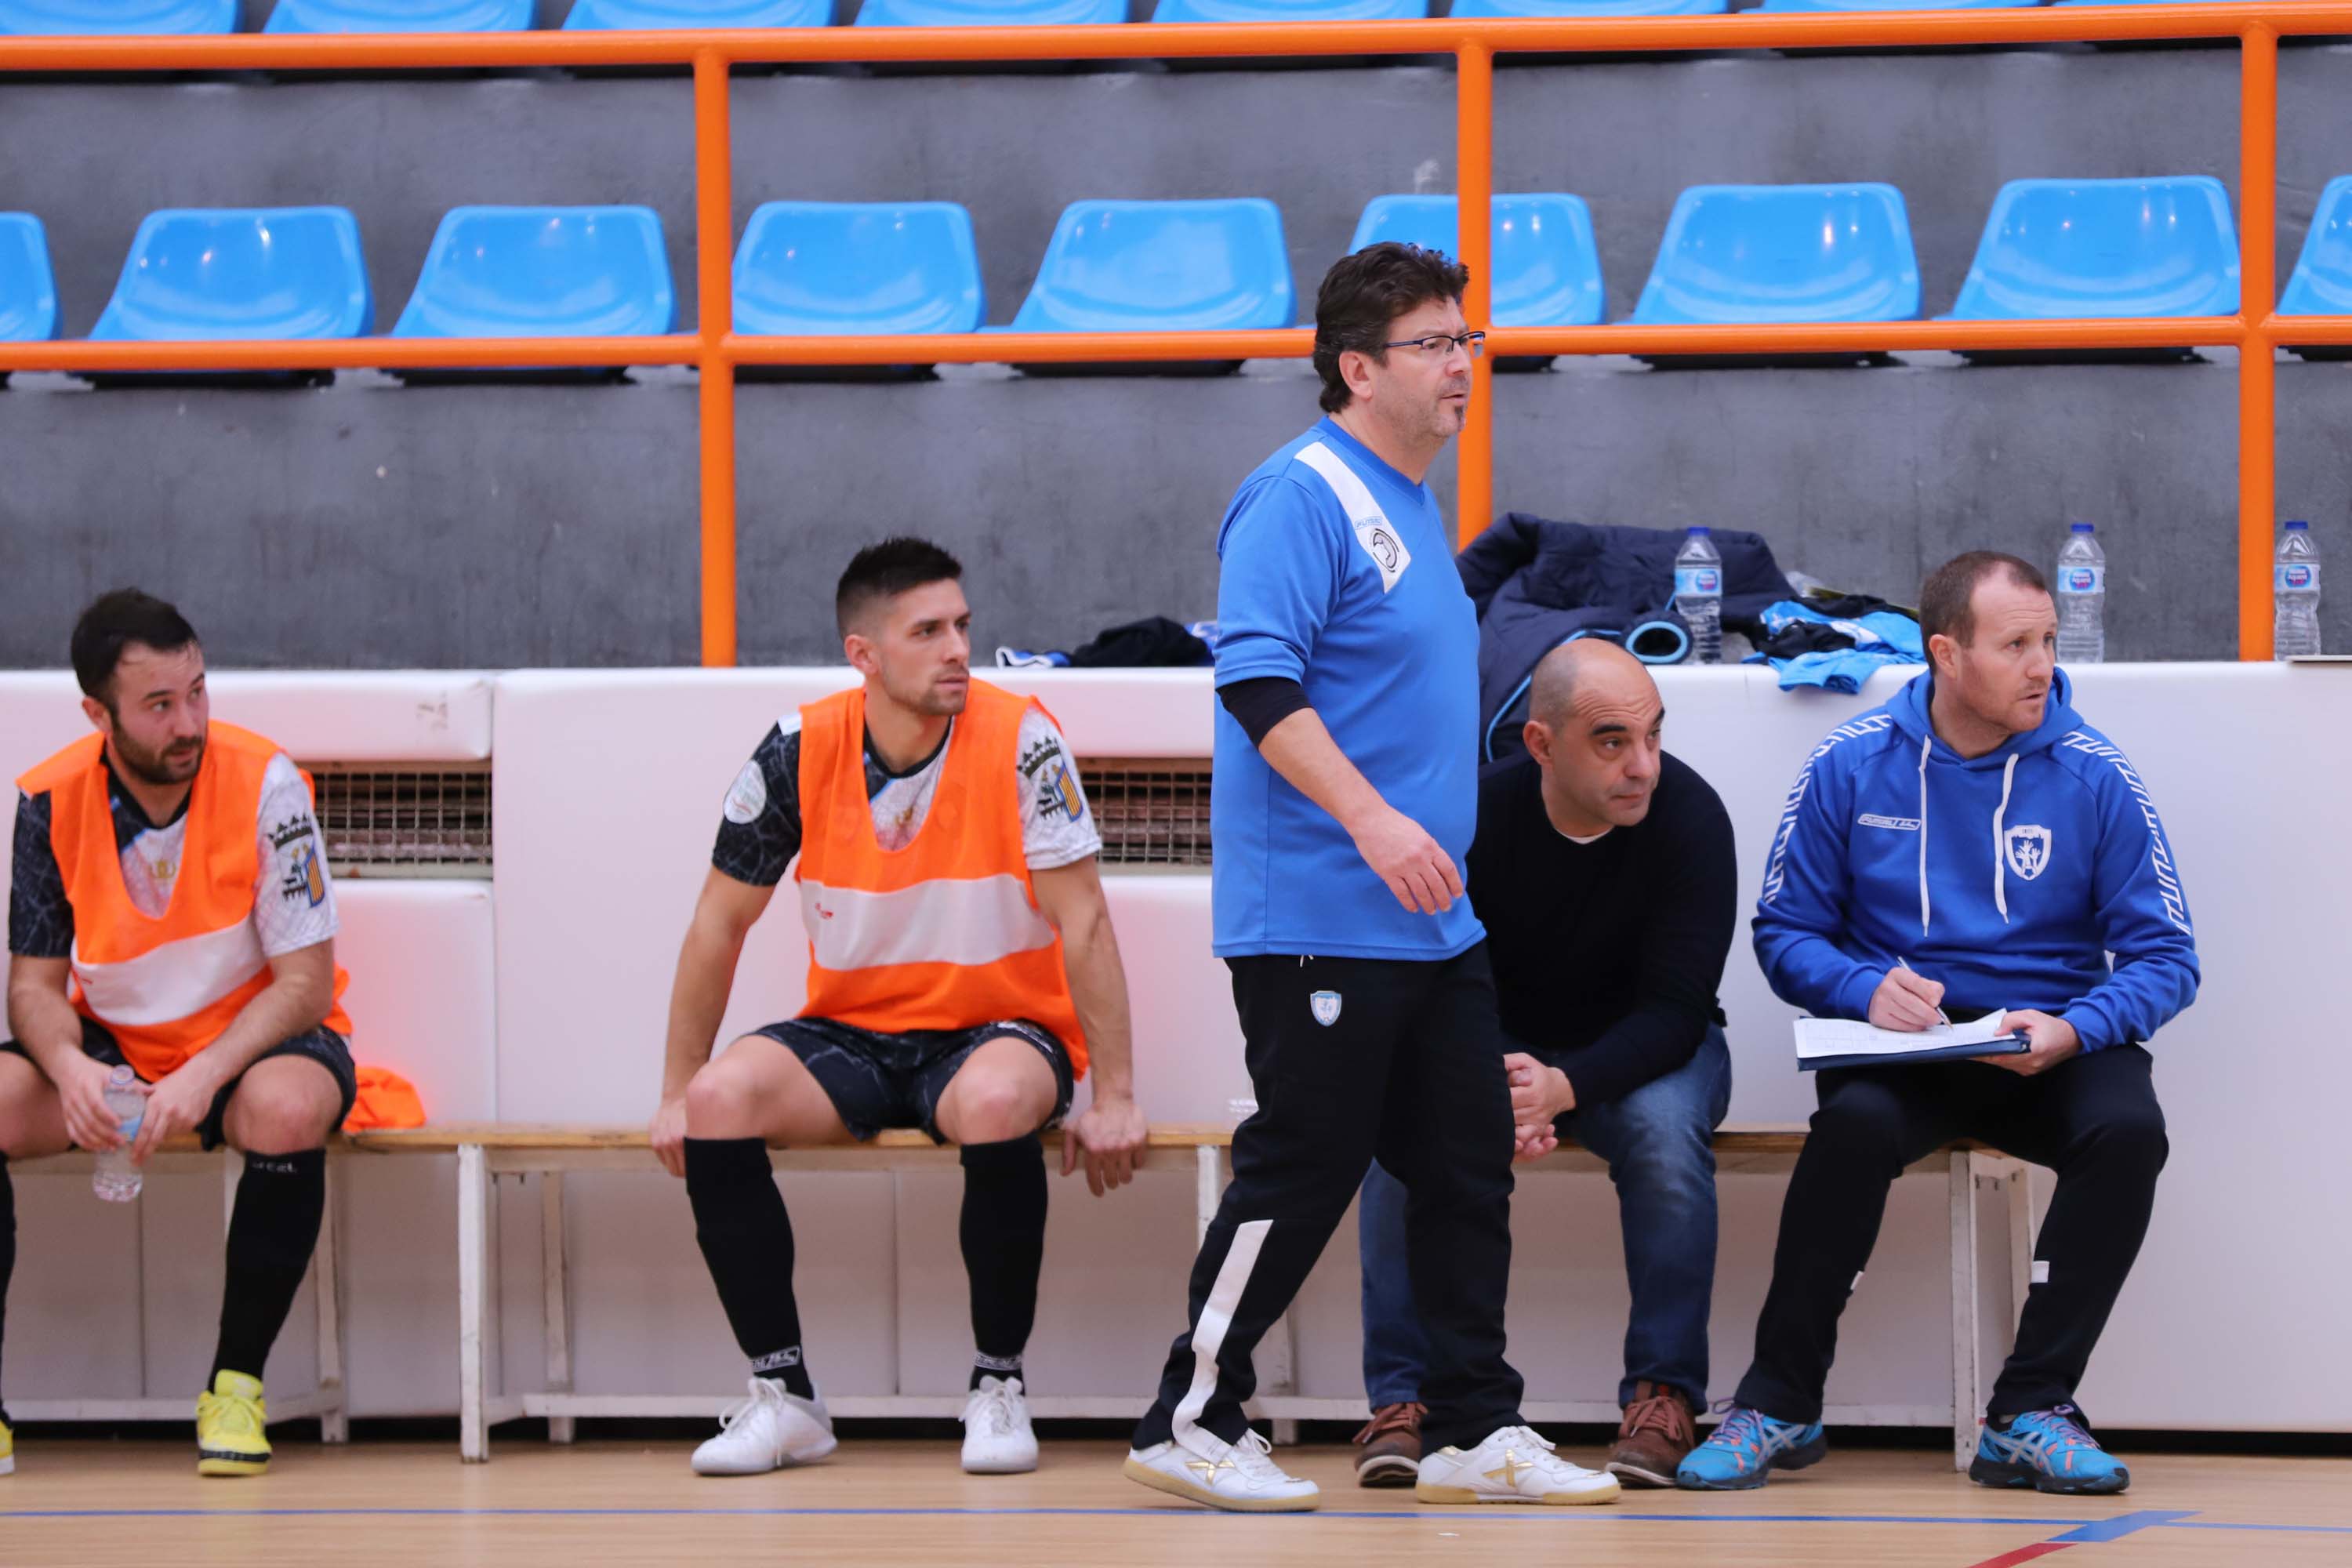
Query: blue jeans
{"points": [[1658, 1143]]}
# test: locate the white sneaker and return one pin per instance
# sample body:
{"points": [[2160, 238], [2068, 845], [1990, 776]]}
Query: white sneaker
{"points": [[1239, 1477], [767, 1432], [1513, 1465], [997, 1437]]}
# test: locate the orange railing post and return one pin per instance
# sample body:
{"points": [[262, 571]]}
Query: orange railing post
{"points": [[714, 245], [2257, 358], [716, 350], [1474, 188]]}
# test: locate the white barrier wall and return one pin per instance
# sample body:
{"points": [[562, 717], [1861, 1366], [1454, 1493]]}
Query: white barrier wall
{"points": [[608, 789]]}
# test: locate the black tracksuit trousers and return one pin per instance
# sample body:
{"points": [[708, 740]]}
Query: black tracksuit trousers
{"points": [[2093, 1118], [1353, 1059]]}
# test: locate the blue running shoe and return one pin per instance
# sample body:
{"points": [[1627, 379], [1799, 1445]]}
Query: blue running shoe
{"points": [[2049, 1450], [1744, 1447]]}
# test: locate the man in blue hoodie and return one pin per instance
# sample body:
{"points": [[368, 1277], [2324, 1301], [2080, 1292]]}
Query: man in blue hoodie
{"points": [[1972, 846]]}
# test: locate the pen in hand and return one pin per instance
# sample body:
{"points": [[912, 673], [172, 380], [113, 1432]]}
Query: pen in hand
{"points": [[1942, 1018]]}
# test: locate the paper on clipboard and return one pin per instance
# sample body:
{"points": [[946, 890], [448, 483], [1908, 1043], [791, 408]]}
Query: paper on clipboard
{"points": [[1846, 1042]]}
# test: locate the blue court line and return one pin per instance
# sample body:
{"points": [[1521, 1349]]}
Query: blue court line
{"points": [[2123, 1524], [2304, 1528]]}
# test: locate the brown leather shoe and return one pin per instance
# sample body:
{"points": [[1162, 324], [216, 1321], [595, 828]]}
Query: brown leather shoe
{"points": [[1390, 1447], [1659, 1428]]}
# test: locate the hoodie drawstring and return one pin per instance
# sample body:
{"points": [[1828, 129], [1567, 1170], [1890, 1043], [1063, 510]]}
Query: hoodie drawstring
{"points": [[2000, 870], [1925, 745]]}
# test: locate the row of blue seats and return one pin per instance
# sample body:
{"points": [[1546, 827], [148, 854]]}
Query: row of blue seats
{"points": [[1731, 254], [211, 16]]}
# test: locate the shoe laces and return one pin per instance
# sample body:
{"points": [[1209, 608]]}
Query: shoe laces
{"points": [[1662, 1412], [1405, 1417], [1742, 1429], [764, 1391], [2062, 1426], [238, 1418], [994, 1407], [1253, 1459]]}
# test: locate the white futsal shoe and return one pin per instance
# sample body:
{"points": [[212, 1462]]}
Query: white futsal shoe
{"points": [[1513, 1465], [767, 1432], [1241, 1478], [997, 1437]]}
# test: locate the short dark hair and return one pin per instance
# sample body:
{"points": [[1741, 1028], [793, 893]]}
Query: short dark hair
{"points": [[112, 623], [1946, 606], [1364, 293], [887, 570]]}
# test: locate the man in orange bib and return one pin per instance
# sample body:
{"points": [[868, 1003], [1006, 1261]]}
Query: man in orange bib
{"points": [[169, 911], [961, 969]]}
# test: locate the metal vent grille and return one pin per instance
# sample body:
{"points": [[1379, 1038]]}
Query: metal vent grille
{"points": [[1149, 813], [416, 820]]}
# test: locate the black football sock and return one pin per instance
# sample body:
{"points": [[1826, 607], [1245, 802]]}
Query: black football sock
{"points": [[747, 1240], [1003, 1236], [272, 1232]]}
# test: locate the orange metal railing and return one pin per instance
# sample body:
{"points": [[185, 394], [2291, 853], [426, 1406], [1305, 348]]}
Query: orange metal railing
{"points": [[715, 349]]}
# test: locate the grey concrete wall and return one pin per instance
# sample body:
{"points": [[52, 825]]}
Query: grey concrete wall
{"points": [[556, 525]]}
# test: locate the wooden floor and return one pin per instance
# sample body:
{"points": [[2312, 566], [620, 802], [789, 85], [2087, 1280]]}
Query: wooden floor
{"points": [[139, 1505]]}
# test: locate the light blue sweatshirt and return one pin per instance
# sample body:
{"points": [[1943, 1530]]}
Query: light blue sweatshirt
{"points": [[2008, 877]]}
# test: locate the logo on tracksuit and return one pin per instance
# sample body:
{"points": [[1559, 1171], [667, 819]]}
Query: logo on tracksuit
{"points": [[2028, 849], [1325, 1006]]}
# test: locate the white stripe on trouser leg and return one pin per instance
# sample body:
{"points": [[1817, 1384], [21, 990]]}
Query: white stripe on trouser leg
{"points": [[1216, 1317]]}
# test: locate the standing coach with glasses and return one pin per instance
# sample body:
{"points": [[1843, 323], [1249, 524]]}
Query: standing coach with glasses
{"points": [[1346, 793]]}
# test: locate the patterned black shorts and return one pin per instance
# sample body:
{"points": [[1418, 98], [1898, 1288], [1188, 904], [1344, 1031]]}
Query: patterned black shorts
{"points": [[320, 1045], [896, 1080]]}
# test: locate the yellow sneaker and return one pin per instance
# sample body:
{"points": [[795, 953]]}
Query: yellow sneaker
{"points": [[7, 1450], [230, 1421]]}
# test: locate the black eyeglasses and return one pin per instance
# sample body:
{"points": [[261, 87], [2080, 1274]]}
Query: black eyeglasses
{"points": [[1437, 345]]}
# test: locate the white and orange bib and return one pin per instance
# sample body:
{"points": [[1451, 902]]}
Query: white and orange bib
{"points": [[944, 933]]}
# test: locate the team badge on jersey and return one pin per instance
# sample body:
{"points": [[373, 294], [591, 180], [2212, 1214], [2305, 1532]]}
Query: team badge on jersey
{"points": [[1062, 792], [306, 877], [1325, 1006], [747, 797], [2029, 850]]}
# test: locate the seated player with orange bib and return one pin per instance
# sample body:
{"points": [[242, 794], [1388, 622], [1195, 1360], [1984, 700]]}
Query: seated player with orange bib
{"points": [[962, 966], [170, 910]]}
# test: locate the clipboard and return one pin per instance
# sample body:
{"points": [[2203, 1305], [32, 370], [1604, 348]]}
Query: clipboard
{"points": [[1849, 1043]]}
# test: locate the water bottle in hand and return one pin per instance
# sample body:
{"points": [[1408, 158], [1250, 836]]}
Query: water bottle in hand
{"points": [[2081, 597], [1699, 594], [116, 1179], [2294, 590]]}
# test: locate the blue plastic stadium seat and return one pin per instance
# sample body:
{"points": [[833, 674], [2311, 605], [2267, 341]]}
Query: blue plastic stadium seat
{"points": [[1290, 10], [99, 19], [2322, 283], [812, 269], [401, 17], [1546, 267], [2104, 248], [541, 272], [28, 289], [241, 272], [990, 13], [1785, 6], [1783, 253], [1571, 8], [1163, 267], [651, 14]]}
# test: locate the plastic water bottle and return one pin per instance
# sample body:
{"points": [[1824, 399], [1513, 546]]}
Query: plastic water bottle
{"points": [[116, 1179], [2294, 587], [2081, 597], [1699, 594]]}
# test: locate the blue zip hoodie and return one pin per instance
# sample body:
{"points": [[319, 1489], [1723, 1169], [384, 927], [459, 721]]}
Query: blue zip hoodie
{"points": [[2008, 877]]}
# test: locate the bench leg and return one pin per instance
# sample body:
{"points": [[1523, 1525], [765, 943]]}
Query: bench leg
{"points": [[473, 1270], [326, 1283], [1966, 1372], [1208, 1187], [2021, 1236], [555, 1283]]}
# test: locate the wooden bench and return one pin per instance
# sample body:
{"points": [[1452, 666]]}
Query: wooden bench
{"points": [[487, 1149]]}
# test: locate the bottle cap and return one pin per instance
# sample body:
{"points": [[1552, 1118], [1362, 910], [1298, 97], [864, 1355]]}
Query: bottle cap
{"points": [[2299, 525], [121, 1076], [2081, 528], [1700, 532]]}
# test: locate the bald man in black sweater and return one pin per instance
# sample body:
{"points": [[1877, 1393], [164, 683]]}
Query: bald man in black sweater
{"points": [[1604, 872]]}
